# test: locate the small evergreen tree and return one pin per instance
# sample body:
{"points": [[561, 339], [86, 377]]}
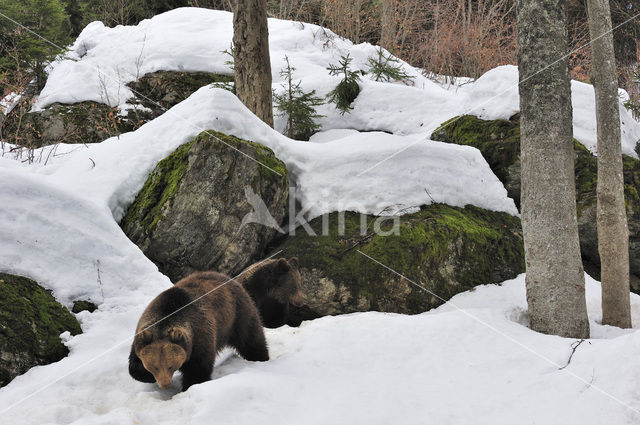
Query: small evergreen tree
{"points": [[229, 62], [387, 68], [298, 106], [229, 52], [348, 89]]}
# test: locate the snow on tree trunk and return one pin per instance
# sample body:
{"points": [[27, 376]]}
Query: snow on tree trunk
{"points": [[252, 66], [555, 276], [613, 233]]}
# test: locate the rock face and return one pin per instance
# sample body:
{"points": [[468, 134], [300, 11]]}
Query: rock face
{"points": [[499, 142], [92, 122], [85, 122], [161, 90], [196, 209], [31, 322], [445, 249]]}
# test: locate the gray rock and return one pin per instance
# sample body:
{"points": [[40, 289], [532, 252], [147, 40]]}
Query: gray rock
{"points": [[93, 122], [499, 142], [188, 216]]}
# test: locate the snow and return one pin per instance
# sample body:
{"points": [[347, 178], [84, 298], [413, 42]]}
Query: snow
{"points": [[103, 60], [331, 135], [333, 176], [470, 361], [9, 102], [473, 360]]}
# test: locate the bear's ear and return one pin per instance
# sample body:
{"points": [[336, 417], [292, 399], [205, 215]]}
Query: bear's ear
{"points": [[283, 265], [177, 335], [294, 261], [145, 337]]}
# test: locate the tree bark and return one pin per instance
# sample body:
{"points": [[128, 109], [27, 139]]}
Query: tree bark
{"points": [[624, 42], [252, 65], [613, 233], [555, 277], [387, 25]]}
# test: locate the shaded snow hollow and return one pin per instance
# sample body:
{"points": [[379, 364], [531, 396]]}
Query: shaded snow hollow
{"points": [[476, 362]]}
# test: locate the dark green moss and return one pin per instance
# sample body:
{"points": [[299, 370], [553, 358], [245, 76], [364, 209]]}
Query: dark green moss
{"points": [[270, 165], [499, 143], [83, 305], [446, 249], [31, 322], [163, 183], [159, 189]]}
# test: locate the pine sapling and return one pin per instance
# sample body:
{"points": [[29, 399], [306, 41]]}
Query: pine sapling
{"points": [[348, 89], [229, 62], [298, 106], [387, 68]]}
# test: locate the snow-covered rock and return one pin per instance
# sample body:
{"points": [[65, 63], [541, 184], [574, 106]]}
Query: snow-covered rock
{"points": [[472, 360]]}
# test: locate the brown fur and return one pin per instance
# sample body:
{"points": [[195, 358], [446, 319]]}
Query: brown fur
{"points": [[273, 286], [171, 337]]}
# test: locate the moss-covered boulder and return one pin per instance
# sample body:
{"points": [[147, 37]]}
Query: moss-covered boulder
{"points": [[85, 122], [31, 322], [499, 142], [83, 305], [445, 249], [92, 122], [194, 211], [159, 91]]}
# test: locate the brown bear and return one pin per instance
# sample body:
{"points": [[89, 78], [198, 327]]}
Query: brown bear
{"points": [[273, 286], [185, 326]]}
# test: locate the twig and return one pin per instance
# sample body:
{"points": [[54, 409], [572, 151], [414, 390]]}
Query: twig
{"points": [[574, 347], [430, 197], [363, 239], [99, 278]]}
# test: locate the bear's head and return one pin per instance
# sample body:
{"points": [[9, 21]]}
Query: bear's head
{"points": [[287, 287], [162, 357]]}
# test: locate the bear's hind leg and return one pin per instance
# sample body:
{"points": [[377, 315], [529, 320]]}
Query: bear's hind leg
{"points": [[250, 342]]}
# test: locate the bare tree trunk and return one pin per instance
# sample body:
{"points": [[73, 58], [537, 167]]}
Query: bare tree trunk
{"points": [[252, 65], [613, 233], [625, 42], [555, 277], [387, 25]]}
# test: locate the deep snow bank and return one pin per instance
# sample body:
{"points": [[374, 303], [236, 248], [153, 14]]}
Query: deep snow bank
{"points": [[368, 172], [103, 60]]}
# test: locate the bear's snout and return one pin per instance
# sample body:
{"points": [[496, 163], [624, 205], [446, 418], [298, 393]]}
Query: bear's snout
{"points": [[164, 382]]}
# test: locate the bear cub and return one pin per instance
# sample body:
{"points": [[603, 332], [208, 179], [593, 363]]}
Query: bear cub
{"points": [[273, 286], [185, 327]]}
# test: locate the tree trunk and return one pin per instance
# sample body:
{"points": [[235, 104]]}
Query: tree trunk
{"points": [[555, 277], [613, 233], [252, 65], [624, 42], [387, 25]]}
